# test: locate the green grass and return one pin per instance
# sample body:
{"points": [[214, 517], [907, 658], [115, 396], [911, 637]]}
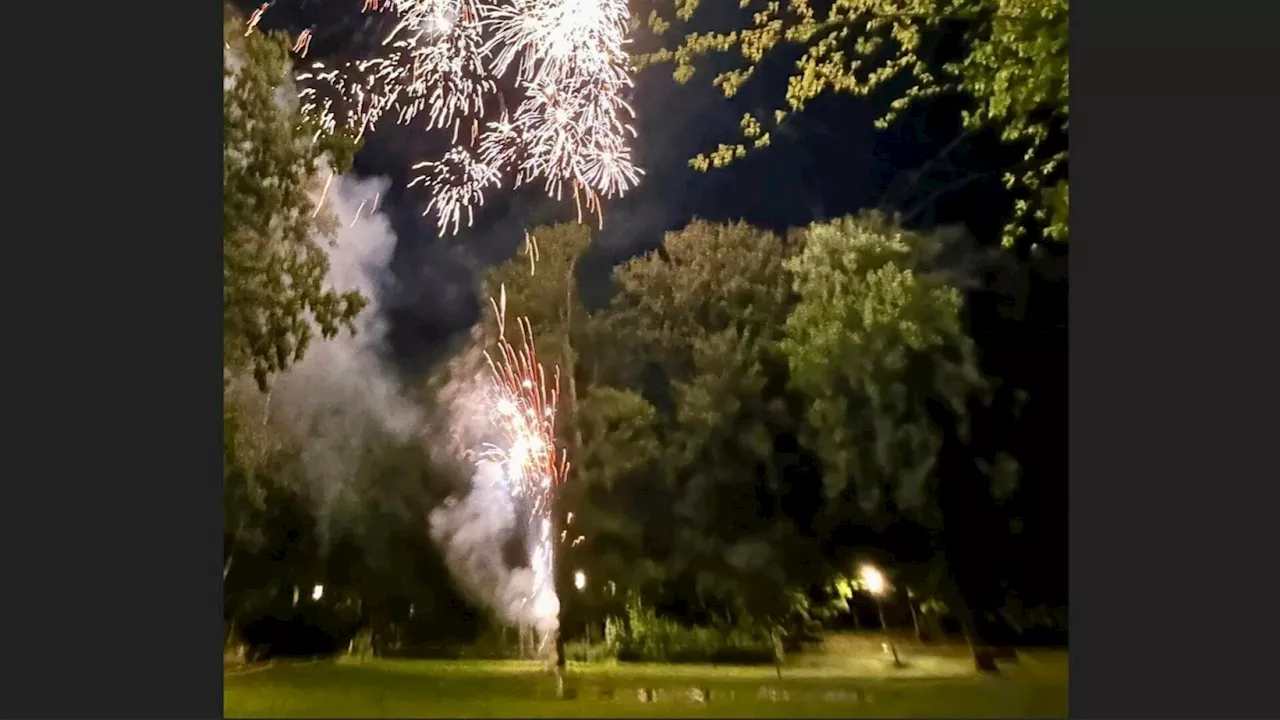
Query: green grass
{"points": [[1036, 687]]}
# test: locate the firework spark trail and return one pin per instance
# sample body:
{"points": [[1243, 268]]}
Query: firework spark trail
{"points": [[255, 18], [303, 43], [459, 181]]}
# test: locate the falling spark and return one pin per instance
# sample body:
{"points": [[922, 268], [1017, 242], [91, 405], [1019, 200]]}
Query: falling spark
{"points": [[357, 215], [256, 17], [531, 249], [323, 194], [303, 43]]}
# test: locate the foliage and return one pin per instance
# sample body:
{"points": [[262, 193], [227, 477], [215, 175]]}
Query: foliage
{"points": [[696, 326], [384, 579], [619, 433], [257, 469], [274, 266], [647, 637], [1015, 68], [541, 284], [870, 344]]}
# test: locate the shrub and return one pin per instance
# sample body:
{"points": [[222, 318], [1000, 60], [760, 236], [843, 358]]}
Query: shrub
{"points": [[646, 637]]}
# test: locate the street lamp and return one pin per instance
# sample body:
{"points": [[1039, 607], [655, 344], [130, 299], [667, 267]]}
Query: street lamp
{"points": [[875, 583], [579, 579], [317, 592]]}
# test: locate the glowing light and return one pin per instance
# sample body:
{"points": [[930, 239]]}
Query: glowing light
{"points": [[579, 579], [873, 579], [317, 592]]}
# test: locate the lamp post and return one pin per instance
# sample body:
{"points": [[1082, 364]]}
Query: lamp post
{"points": [[875, 583]]}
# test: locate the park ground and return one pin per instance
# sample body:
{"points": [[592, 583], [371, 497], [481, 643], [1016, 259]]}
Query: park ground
{"points": [[834, 685]]}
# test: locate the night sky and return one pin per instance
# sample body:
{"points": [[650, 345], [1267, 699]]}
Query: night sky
{"points": [[827, 162]]}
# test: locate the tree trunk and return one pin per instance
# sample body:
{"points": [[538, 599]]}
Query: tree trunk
{"points": [[570, 361], [915, 620], [969, 539], [778, 651]]}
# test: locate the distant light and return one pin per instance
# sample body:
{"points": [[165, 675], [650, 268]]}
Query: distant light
{"points": [[579, 579], [872, 578], [317, 592]]}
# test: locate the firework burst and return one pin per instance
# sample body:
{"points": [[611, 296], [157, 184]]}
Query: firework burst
{"points": [[564, 120]]}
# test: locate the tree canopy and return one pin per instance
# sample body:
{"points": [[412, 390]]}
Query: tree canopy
{"points": [[276, 164], [864, 318], [1014, 68], [694, 403]]}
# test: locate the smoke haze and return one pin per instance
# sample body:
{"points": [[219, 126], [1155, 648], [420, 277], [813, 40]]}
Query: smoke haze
{"points": [[345, 395]]}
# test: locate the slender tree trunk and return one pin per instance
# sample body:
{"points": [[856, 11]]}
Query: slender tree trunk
{"points": [[570, 366], [915, 620], [557, 574], [983, 658], [226, 566]]}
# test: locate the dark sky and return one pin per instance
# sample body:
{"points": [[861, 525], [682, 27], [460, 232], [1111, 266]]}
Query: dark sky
{"points": [[827, 162]]}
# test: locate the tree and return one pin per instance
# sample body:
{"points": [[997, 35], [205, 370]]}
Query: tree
{"points": [[862, 314], [274, 268], [697, 324], [620, 449], [1014, 68], [880, 352]]}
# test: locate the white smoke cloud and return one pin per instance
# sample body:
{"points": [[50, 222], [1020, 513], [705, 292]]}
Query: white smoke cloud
{"points": [[344, 394], [471, 532]]}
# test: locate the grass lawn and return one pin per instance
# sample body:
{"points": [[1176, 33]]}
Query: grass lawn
{"points": [[1035, 687]]}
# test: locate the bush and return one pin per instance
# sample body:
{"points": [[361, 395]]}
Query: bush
{"points": [[645, 637]]}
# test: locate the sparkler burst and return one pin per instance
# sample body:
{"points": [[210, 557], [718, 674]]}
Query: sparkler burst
{"points": [[523, 408], [562, 116]]}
